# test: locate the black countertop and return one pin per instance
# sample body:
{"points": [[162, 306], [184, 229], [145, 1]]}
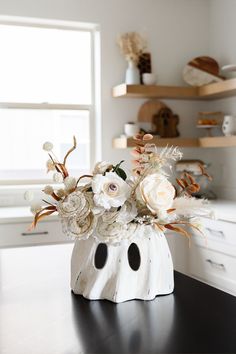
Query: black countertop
{"points": [[40, 315]]}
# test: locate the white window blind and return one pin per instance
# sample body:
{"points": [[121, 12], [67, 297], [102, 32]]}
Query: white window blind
{"points": [[46, 93], [45, 65]]}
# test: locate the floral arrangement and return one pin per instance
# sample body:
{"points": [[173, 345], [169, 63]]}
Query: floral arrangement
{"points": [[109, 205], [132, 45]]}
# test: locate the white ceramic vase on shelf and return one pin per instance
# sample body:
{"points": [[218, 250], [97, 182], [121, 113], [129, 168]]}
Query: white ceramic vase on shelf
{"points": [[140, 268], [132, 75]]}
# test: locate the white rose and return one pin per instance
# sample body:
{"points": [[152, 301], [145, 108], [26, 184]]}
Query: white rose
{"points": [[123, 215], [101, 167], [156, 192], [114, 233], [110, 190], [127, 212]]}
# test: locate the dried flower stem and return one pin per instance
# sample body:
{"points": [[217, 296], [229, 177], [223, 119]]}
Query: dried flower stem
{"points": [[70, 151]]}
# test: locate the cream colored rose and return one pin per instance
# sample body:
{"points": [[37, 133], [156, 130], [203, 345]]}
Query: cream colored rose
{"points": [[156, 192], [124, 215], [75, 205], [114, 233], [81, 228]]}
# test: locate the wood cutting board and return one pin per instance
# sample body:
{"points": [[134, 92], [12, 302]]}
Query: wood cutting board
{"points": [[149, 109]]}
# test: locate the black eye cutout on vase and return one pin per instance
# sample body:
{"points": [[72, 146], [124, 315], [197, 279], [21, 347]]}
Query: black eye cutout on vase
{"points": [[134, 257], [100, 257]]}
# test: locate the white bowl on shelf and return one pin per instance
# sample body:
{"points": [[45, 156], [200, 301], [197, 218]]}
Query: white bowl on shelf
{"points": [[229, 71], [131, 129], [149, 78]]}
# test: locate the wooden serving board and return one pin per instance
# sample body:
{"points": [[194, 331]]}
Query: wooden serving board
{"points": [[149, 109]]}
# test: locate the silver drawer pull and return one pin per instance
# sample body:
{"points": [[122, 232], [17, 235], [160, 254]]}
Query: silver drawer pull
{"points": [[34, 233], [216, 233], [215, 264]]}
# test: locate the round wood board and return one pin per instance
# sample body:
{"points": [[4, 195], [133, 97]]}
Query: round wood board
{"points": [[149, 109]]}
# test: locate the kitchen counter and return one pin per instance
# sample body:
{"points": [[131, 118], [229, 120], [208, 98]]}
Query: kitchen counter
{"points": [[17, 214], [224, 210], [39, 314]]}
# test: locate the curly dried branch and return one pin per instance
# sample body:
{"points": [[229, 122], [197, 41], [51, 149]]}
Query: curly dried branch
{"points": [[70, 151], [41, 214]]}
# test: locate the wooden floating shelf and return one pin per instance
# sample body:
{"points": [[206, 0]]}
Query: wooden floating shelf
{"points": [[217, 141], [154, 91], [208, 142], [226, 88], [223, 89]]}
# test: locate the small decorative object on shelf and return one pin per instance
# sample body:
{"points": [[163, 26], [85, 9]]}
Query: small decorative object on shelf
{"points": [[149, 79], [132, 76], [118, 221], [164, 123], [131, 129], [209, 121], [144, 64], [202, 71], [229, 71], [229, 125], [132, 46]]}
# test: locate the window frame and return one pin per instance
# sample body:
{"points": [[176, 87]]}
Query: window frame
{"points": [[93, 108]]}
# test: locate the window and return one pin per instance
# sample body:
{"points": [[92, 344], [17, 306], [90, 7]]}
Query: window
{"points": [[47, 92]]}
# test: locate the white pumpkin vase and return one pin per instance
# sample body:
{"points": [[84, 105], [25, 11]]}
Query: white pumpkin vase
{"points": [[121, 252], [140, 268]]}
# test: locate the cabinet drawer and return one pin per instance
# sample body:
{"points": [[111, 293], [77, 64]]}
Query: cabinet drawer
{"points": [[220, 235], [214, 267], [18, 235]]}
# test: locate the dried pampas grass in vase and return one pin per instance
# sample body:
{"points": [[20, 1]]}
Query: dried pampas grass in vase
{"points": [[132, 45]]}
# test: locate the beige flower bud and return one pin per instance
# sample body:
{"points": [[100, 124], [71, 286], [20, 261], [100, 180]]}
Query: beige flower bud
{"points": [[57, 177], [70, 182], [47, 146], [50, 165], [48, 190], [35, 208], [61, 193]]}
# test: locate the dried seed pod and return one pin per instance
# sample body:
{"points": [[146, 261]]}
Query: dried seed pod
{"points": [[147, 137]]}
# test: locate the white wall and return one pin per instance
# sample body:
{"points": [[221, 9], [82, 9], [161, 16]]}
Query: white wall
{"points": [[222, 46], [177, 30]]}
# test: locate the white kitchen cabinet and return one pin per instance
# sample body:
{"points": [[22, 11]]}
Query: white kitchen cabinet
{"points": [[211, 259], [213, 267], [219, 235], [14, 229], [17, 234]]}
